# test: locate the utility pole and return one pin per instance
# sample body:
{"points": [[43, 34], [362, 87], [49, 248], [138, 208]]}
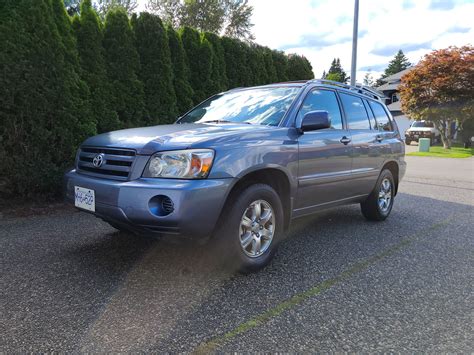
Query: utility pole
{"points": [[354, 42]]}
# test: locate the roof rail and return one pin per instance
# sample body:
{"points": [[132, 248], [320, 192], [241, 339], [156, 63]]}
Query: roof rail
{"points": [[361, 89]]}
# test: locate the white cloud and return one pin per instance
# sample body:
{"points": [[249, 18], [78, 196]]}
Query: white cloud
{"points": [[322, 29]]}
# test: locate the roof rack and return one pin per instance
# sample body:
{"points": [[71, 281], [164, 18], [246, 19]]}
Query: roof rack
{"points": [[361, 89]]}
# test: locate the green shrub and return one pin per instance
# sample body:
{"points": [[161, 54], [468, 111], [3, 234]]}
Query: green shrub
{"points": [[89, 34], [44, 107], [299, 68], [218, 73], [182, 88], [199, 60], [204, 73], [156, 72], [257, 65], [236, 62], [122, 63], [280, 61], [270, 66]]}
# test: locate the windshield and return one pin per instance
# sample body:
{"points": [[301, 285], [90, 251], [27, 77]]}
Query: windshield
{"points": [[265, 106], [422, 124]]}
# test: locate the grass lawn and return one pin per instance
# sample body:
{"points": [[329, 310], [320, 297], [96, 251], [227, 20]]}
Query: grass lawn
{"points": [[456, 151]]}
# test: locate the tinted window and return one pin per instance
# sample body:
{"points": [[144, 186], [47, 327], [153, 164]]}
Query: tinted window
{"points": [[383, 122], [373, 123], [265, 106], [356, 114], [324, 100]]}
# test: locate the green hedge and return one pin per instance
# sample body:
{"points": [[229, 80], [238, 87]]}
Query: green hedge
{"points": [[65, 79]]}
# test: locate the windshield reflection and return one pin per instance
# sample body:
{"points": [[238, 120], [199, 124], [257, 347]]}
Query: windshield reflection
{"points": [[265, 106]]}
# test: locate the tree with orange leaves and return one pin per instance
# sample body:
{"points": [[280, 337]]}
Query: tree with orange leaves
{"points": [[441, 89]]}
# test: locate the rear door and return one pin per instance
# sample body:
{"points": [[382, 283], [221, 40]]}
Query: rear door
{"points": [[324, 155], [366, 154], [385, 127], [390, 143]]}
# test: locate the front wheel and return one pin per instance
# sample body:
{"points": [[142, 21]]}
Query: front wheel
{"points": [[250, 228], [407, 141], [379, 204]]}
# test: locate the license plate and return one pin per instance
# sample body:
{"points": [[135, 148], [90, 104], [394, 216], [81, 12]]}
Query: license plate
{"points": [[416, 136], [84, 198]]}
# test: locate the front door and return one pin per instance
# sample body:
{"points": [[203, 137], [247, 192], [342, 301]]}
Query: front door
{"points": [[324, 155]]}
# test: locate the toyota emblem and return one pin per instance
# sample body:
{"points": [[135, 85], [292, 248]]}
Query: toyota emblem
{"points": [[98, 160]]}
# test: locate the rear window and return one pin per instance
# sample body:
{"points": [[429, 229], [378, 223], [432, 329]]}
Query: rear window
{"points": [[356, 114], [383, 121], [373, 123]]}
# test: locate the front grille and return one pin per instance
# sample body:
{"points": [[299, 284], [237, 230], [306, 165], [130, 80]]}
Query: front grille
{"points": [[116, 163], [420, 133]]}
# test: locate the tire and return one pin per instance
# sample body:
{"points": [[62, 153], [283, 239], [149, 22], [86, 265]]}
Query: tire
{"points": [[407, 141], [234, 232], [374, 209]]}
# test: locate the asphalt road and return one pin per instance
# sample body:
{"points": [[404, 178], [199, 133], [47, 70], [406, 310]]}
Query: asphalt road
{"points": [[69, 282]]}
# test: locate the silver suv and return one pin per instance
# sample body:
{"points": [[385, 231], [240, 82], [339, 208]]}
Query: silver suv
{"points": [[239, 167]]}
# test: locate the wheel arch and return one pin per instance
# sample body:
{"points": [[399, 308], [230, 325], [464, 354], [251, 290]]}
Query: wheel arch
{"points": [[275, 177], [392, 165]]}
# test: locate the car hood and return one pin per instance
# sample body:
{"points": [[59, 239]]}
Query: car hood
{"points": [[148, 140]]}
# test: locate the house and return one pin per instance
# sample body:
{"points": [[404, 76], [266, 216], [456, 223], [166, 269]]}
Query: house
{"points": [[390, 90]]}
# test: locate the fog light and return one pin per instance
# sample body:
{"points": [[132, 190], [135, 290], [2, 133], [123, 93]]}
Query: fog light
{"points": [[161, 205]]}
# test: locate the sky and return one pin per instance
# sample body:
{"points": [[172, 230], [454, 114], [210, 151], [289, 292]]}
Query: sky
{"points": [[322, 29]]}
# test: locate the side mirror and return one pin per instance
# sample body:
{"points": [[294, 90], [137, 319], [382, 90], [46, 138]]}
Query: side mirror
{"points": [[315, 120]]}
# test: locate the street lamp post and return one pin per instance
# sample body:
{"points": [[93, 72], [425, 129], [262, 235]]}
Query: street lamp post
{"points": [[354, 42]]}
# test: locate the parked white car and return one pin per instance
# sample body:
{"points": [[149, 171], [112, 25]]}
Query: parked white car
{"points": [[422, 129]]}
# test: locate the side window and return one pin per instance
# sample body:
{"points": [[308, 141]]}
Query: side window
{"points": [[356, 114], [324, 100], [383, 122], [373, 123]]}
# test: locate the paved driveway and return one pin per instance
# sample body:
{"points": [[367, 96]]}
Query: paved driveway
{"points": [[69, 282]]}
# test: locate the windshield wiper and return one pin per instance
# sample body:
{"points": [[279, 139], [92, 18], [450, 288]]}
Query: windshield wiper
{"points": [[223, 121]]}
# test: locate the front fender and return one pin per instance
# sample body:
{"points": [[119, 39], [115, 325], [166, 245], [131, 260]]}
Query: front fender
{"points": [[240, 161]]}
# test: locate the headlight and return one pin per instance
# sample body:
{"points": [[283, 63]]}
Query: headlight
{"points": [[180, 164]]}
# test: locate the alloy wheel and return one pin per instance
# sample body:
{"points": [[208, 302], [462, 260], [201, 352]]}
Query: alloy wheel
{"points": [[385, 195], [257, 228]]}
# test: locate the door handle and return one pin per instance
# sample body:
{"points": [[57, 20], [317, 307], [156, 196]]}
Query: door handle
{"points": [[344, 140], [379, 138]]}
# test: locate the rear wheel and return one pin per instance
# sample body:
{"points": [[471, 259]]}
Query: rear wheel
{"points": [[379, 204], [251, 228]]}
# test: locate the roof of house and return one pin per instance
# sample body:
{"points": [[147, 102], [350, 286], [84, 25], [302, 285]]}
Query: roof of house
{"points": [[393, 81], [388, 86], [397, 76]]}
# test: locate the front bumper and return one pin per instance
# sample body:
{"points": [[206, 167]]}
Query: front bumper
{"points": [[197, 203], [414, 137]]}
